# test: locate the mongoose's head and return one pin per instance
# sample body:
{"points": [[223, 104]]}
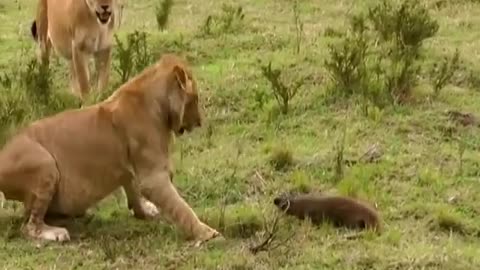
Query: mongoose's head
{"points": [[282, 201]]}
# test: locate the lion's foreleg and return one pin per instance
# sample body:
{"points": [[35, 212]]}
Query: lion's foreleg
{"points": [[142, 208], [159, 189], [103, 63], [80, 68]]}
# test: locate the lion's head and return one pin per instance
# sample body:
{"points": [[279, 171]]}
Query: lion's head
{"points": [[103, 9], [184, 112]]}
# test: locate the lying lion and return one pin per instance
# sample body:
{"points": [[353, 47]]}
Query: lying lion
{"points": [[64, 164], [77, 30]]}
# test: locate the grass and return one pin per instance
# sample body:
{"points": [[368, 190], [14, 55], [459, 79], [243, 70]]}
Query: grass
{"points": [[230, 170]]}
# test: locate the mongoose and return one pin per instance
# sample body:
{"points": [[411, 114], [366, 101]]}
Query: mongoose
{"points": [[341, 211]]}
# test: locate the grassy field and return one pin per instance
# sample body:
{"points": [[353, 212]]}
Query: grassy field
{"points": [[425, 182]]}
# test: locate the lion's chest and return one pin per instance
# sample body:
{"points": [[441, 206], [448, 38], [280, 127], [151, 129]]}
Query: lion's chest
{"points": [[97, 40]]}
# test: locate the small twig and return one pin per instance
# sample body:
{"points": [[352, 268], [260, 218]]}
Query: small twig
{"points": [[266, 244], [223, 206]]}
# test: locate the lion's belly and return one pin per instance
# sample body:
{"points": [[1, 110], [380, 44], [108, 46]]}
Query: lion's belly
{"points": [[76, 194]]}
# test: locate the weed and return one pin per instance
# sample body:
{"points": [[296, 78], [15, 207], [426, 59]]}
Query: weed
{"points": [[300, 182], [451, 221], [5, 80], [133, 56], [282, 92], [298, 26], [36, 80], [332, 32], [162, 12], [229, 20], [339, 154], [441, 75], [347, 65], [281, 158], [111, 249], [407, 25]]}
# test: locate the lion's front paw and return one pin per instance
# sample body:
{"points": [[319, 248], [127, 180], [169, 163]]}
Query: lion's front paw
{"points": [[147, 210], [206, 234]]}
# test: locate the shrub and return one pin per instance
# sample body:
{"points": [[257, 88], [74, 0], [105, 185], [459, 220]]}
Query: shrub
{"points": [[132, 56], [228, 21], [282, 91], [441, 74], [379, 57]]}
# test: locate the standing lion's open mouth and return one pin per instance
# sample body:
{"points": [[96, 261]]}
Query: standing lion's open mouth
{"points": [[103, 17]]}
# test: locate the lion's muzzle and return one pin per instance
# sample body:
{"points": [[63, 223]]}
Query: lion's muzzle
{"points": [[105, 14]]}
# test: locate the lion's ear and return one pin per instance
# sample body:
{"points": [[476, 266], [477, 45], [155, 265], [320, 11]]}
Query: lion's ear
{"points": [[181, 77], [177, 97]]}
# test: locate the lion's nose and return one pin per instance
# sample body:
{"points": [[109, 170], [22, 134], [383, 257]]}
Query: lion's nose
{"points": [[105, 7]]}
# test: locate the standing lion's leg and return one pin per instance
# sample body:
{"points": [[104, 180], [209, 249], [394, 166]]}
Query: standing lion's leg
{"points": [[103, 63], [159, 189], [80, 66], [41, 25]]}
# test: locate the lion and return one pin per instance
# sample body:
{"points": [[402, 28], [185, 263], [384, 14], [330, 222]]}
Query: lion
{"points": [[63, 164], [77, 30]]}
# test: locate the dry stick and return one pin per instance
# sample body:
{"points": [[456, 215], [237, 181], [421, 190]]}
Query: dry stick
{"points": [[223, 206], [271, 236]]}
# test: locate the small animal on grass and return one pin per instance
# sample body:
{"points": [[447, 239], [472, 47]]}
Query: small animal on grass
{"points": [[341, 211], [61, 165], [77, 30]]}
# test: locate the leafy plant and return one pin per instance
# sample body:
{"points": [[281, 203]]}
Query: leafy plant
{"points": [[441, 75], [228, 21], [133, 56], [379, 57], [282, 91], [298, 26]]}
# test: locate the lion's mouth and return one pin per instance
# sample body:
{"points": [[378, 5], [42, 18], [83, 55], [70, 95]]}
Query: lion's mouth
{"points": [[103, 17]]}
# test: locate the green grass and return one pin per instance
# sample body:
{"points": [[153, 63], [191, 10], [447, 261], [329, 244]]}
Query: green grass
{"points": [[236, 163]]}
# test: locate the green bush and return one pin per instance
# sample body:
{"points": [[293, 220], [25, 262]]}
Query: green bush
{"points": [[132, 56], [380, 55]]}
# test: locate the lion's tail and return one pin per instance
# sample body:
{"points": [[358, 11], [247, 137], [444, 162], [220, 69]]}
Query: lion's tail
{"points": [[39, 26]]}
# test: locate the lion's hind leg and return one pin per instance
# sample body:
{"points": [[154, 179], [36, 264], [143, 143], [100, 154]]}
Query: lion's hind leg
{"points": [[159, 189], [29, 174]]}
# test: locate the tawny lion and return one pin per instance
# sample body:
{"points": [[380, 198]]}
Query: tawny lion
{"points": [[77, 30], [63, 164]]}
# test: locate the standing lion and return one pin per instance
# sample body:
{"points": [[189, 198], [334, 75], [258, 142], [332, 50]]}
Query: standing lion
{"points": [[77, 30]]}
